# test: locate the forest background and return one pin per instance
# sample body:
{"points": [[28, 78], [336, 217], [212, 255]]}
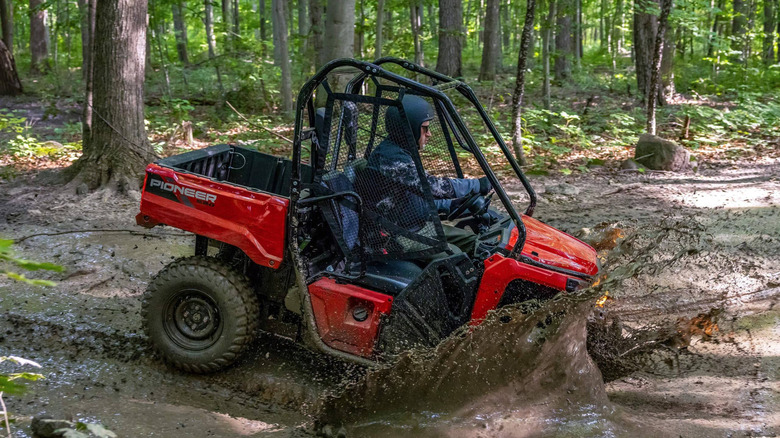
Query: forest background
{"points": [[587, 70]]}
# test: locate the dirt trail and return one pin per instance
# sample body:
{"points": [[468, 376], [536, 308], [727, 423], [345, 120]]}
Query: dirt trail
{"points": [[692, 243]]}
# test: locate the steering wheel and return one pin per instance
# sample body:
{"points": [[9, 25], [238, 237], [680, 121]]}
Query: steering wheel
{"points": [[466, 205], [486, 205]]}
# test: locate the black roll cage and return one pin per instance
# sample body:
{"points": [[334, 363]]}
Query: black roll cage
{"points": [[441, 84]]}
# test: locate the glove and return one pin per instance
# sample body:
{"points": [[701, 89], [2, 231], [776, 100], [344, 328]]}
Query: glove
{"points": [[484, 186], [454, 204]]}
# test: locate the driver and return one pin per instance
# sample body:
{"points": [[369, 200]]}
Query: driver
{"points": [[393, 160]]}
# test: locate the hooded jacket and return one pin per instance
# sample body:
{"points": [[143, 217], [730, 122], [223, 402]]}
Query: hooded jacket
{"points": [[395, 158]]}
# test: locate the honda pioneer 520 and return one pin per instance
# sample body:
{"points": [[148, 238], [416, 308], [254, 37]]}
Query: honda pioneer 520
{"points": [[376, 237]]}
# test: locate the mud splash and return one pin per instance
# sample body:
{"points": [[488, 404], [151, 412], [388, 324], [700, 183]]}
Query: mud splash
{"points": [[519, 359]]}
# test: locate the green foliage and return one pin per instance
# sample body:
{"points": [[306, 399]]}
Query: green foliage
{"points": [[7, 256], [12, 383]]}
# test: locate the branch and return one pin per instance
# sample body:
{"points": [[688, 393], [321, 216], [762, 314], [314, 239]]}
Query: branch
{"points": [[59, 233], [256, 125]]}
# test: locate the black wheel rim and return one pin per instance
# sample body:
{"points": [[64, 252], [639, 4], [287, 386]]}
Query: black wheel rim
{"points": [[192, 320]]}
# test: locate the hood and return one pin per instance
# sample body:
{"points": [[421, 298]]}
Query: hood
{"points": [[417, 111], [553, 247]]}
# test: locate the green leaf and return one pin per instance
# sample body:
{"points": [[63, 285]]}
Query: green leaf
{"points": [[566, 171], [26, 376], [37, 266], [9, 386], [5, 245], [641, 170]]}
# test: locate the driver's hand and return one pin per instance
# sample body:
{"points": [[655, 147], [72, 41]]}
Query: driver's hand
{"points": [[455, 203], [484, 186]]}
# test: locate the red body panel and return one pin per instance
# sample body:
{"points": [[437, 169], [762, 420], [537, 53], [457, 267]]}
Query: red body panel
{"points": [[252, 221], [499, 272], [333, 306], [544, 244], [550, 246]]}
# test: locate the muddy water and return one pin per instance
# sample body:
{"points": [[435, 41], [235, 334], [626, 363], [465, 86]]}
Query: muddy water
{"points": [[519, 360], [689, 247]]}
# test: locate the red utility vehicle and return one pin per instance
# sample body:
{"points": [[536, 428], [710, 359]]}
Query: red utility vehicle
{"points": [[321, 248]]}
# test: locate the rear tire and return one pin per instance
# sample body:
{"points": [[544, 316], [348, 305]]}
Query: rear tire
{"points": [[200, 314]]}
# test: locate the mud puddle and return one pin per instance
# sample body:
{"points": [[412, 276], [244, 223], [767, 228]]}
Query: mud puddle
{"points": [[692, 253]]}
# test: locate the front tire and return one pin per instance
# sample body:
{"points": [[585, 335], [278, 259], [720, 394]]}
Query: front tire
{"points": [[200, 314]]}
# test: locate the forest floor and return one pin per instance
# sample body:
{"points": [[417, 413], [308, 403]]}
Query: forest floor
{"points": [[696, 253]]}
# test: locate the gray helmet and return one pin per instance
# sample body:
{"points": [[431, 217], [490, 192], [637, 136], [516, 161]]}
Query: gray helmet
{"points": [[417, 111]]}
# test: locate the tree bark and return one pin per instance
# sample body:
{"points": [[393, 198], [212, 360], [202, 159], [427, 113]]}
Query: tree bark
{"points": [[768, 52], [517, 97], [118, 150], [180, 30], [316, 8], [9, 78], [303, 23], [208, 22], [652, 92], [668, 89], [279, 22], [39, 47], [564, 49], [261, 12], [739, 28], [415, 10], [236, 20], [487, 70], [380, 18], [360, 32], [340, 29], [449, 60], [7, 25], [88, 59], [645, 29], [546, 49]]}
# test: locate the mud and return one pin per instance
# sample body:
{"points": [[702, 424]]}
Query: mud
{"points": [[693, 265]]}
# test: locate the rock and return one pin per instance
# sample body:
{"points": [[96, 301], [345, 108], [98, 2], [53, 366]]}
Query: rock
{"points": [[52, 144], [82, 189], [562, 189], [660, 154], [630, 164], [44, 427]]}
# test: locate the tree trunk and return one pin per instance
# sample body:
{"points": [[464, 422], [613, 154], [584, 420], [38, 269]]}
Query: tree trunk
{"points": [[449, 60], [487, 70], [89, 74], [9, 79], [236, 16], [208, 21], [340, 29], [180, 30], [652, 92], [517, 97], [564, 50], [667, 90], [739, 28], [303, 23], [279, 22], [380, 18], [577, 34], [84, 14], [316, 8], [39, 47], [603, 25], [546, 49], [645, 28], [416, 21], [768, 52], [340, 35], [118, 150], [359, 31], [7, 25], [261, 12], [714, 32]]}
